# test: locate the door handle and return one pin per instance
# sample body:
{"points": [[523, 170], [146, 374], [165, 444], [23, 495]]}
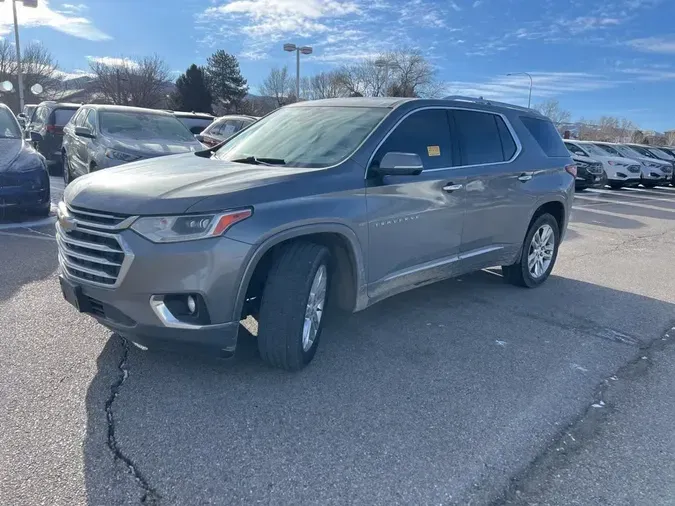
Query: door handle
{"points": [[452, 187], [525, 176]]}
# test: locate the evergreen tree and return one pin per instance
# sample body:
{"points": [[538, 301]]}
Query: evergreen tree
{"points": [[228, 87], [192, 93]]}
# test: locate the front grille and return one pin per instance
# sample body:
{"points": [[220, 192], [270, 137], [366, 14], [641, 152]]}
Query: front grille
{"points": [[633, 169], [96, 219], [595, 168], [89, 254]]}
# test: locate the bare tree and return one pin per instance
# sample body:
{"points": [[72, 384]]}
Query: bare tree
{"points": [[610, 129], [140, 83], [364, 79], [327, 85], [280, 85], [670, 138], [552, 110], [38, 67]]}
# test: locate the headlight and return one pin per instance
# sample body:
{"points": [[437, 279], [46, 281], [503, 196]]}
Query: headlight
{"points": [[618, 164], [120, 155], [27, 163], [188, 227]]}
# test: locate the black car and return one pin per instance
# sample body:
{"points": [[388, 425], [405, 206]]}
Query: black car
{"points": [[45, 129], [24, 180], [196, 122], [223, 128], [590, 173]]}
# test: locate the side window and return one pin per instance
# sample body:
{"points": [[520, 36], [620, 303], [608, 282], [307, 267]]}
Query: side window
{"points": [[90, 121], [546, 136], [479, 139], [77, 119], [426, 133], [573, 148], [214, 128], [508, 144]]}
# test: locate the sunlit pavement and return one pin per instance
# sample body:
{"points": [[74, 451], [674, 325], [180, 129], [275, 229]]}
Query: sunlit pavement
{"points": [[465, 392]]}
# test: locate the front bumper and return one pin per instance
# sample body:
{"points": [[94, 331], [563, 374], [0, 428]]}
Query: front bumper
{"points": [[24, 190], [587, 180], [211, 268]]}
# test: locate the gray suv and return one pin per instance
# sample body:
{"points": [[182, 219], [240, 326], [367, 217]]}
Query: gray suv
{"points": [[319, 206], [102, 136]]}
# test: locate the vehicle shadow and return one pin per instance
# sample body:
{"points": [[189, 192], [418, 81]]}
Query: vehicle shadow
{"points": [[444, 391], [587, 216], [23, 261]]}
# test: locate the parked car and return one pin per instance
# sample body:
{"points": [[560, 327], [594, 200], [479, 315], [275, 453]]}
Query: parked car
{"points": [[653, 171], [223, 128], [102, 136], [45, 129], [657, 153], [320, 204], [25, 115], [196, 122], [669, 151], [618, 170], [589, 173], [24, 180]]}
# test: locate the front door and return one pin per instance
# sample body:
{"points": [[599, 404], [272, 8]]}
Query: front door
{"points": [[414, 222]]}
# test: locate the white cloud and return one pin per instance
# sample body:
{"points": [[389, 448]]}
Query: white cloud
{"points": [[654, 45], [64, 21], [477, 3], [544, 85], [113, 61], [455, 6], [73, 8], [650, 74]]}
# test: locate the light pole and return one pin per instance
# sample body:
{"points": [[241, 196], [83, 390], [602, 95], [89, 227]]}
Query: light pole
{"points": [[19, 77], [298, 49], [382, 63], [529, 100]]}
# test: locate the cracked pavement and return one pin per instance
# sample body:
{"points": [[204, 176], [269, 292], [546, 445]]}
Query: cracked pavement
{"points": [[456, 393]]}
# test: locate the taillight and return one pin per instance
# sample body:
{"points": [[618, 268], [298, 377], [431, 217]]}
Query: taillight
{"points": [[571, 169]]}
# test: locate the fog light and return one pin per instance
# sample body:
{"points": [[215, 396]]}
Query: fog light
{"points": [[191, 304]]}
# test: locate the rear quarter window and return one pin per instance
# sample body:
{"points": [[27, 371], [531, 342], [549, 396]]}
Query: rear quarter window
{"points": [[546, 136]]}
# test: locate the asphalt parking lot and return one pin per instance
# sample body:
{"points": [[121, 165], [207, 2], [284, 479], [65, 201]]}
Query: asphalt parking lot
{"points": [[469, 391]]}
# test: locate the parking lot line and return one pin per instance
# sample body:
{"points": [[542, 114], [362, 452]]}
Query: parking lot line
{"points": [[606, 202], [633, 195]]}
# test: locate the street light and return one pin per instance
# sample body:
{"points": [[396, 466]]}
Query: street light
{"points": [[304, 50], [19, 77], [381, 63], [529, 100]]}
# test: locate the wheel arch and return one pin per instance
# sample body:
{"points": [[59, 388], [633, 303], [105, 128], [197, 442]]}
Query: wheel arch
{"points": [[346, 252]]}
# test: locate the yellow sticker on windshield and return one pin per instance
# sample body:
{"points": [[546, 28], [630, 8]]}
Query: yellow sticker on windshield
{"points": [[434, 150]]}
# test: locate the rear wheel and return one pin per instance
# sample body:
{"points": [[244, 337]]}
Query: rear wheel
{"points": [[615, 186], [293, 304], [648, 185], [538, 256], [67, 174]]}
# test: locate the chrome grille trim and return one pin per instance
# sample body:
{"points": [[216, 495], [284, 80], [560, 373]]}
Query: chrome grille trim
{"points": [[95, 264], [93, 219]]}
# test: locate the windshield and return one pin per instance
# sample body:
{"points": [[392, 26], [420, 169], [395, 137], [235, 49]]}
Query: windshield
{"points": [[594, 150], [9, 128], [629, 152], [145, 126], [661, 154], [643, 151], [305, 136], [609, 149]]}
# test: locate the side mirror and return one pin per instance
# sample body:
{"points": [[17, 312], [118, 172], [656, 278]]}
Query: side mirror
{"points": [[400, 164], [35, 137], [84, 132], [21, 115], [22, 121]]}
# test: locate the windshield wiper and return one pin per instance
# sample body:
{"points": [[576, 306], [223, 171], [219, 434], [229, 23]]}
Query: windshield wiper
{"points": [[254, 160]]}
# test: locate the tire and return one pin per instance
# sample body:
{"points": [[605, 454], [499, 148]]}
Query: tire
{"points": [[41, 212], [519, 273], [649, 185], [615, 186], [285, 299], [67, 174]]}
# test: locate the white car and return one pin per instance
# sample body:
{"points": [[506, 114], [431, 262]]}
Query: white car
{"points": [[620, 171], [653, 172]]}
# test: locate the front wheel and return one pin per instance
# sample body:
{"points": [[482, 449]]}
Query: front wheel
{"points": [[67, 174], [293, 304], [538, 256]]}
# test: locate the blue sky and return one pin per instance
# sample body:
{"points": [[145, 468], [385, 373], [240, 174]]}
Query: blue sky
{"points": [[612, 57]]}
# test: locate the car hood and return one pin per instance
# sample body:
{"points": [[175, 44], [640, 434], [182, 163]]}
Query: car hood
{"points": [[152, 147], [14, 150], [584, 159], [654, 161], [173, 184]]}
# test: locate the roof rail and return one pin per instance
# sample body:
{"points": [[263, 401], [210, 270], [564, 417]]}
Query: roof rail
{"points": [[481, 100]]}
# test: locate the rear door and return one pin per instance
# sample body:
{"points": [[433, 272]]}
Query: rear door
{"points": [[497, 200], [414, 222]]}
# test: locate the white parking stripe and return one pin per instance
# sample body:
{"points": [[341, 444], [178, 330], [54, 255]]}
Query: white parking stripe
{"points": [[28, 236], [607, 202], [634, 195]]}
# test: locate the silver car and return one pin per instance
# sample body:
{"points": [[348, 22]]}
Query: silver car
{"points": [[102, 136]]}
